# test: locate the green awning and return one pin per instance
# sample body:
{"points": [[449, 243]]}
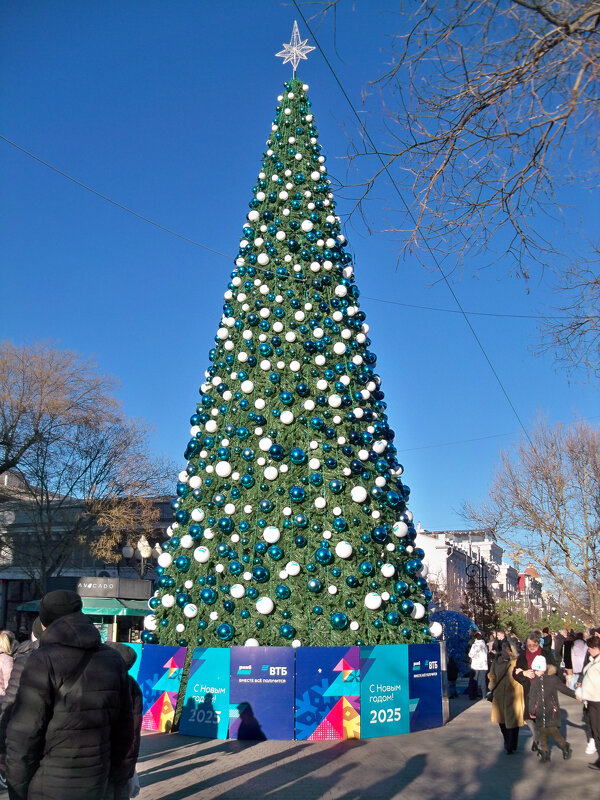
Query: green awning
{"points": [[101, 607]]}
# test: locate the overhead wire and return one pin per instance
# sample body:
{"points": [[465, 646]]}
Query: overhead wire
{"points": [[196, 243]]}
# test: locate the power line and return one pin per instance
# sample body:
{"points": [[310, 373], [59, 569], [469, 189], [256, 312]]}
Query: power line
{"points": [[113, 202], [409, 212], [263, 269], [456, 311]]}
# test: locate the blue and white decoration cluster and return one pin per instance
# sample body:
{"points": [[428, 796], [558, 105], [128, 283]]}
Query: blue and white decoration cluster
{"points": [[291, 524]]}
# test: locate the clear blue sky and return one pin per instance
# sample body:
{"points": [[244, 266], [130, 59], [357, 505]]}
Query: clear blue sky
{"points": [[165, 108]]}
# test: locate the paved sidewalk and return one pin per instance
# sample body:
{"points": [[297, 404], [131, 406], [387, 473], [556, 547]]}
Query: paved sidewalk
{"points": [[464, 760]]}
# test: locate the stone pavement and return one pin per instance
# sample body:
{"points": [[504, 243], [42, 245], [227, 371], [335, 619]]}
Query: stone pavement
{"points": [[463, 760]]}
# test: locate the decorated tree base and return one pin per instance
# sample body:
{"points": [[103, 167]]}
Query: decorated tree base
{"points": [[313, 693]]}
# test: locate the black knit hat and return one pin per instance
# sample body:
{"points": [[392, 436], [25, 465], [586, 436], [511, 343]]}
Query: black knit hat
{"points": [[58, 604]]}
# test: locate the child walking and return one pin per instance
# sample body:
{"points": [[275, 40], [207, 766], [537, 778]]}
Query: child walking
{"points": [[545, 709]]}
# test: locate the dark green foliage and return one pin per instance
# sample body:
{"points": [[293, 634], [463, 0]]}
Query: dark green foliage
{"points": [[291, 454]]}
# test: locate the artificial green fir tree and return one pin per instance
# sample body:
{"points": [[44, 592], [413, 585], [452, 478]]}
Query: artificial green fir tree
{"points": [[291, 524]]}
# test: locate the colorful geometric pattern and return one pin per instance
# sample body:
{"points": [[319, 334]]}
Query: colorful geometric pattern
{"points": [[159, 677], [327, 693]]}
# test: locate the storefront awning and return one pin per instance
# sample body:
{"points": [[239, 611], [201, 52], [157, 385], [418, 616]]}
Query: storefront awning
{"points": [[101, 607]]}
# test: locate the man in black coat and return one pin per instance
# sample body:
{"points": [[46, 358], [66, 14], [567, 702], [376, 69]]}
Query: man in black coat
{"points": [[71, 727]]}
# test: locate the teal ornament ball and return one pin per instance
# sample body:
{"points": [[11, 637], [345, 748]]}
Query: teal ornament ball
{"points": [[407, 606], [287, 631], [339, 621], [225, 632]]}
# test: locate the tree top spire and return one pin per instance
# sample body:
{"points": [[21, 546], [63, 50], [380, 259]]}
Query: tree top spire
{"points": [[295, 49]]}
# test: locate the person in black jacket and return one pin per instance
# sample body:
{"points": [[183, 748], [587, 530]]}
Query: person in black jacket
{"points": [[544, 707], [129, 656], [71, 728], [20, 655]]}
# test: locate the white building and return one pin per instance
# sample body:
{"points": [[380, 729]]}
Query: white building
{"points": [[452, 557]]}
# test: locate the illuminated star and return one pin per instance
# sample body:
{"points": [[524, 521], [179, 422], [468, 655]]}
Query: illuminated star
{"points": [[295, 50]]}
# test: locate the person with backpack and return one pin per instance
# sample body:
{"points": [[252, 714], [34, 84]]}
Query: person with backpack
{"points": [[71, 727]]}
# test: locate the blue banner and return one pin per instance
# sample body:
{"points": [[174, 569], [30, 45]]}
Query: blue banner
{"points": [[206, 704], [261, 698], [384, 691], [327, 693], [425, 686]]}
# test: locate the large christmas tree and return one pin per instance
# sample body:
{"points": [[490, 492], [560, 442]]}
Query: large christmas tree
{"points": [[291, 524]]}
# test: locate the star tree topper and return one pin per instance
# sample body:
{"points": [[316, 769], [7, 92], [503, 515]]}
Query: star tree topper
{"points": [[295, 50]]}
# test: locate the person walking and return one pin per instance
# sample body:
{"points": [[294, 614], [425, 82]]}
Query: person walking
{"points": [[71, 726], [508, 704], [544, 707], [6, 660], [589, 693], [478, 656], [524, 674], [20, 657]]}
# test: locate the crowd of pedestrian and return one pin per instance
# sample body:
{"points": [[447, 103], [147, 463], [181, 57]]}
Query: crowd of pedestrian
{"points": [[70, 715], [523, 681]]}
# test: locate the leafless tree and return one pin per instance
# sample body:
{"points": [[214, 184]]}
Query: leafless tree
{"points": [[83, 476], [490, 108], [43, 392], [545, 501]]}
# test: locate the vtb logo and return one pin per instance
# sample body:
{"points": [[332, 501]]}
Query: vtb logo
{"points": [[274, 670]]}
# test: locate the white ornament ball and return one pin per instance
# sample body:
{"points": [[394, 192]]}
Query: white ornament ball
{"points": [[195, 482], [418, 611], [247, 386], [237, 591], [359, 494], [286, 417], [190, 610], [373, 601], [354, 625], [339, 348], [197, 515], [167, 600], [400, 529], [265, 444], [271, 473], [180, 628], [202, 554], [186, 541], [264, 605], [296, 643], [251, 643], [150, 622], [292, 568], [335, 401], [263, 259], [436, 630], [271, 534], [223, 469], [189, 584], [388, 570], [343, 549], [165, 560]]}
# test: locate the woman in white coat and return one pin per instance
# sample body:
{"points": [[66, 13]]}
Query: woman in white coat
{"points": [[478, 656]]}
